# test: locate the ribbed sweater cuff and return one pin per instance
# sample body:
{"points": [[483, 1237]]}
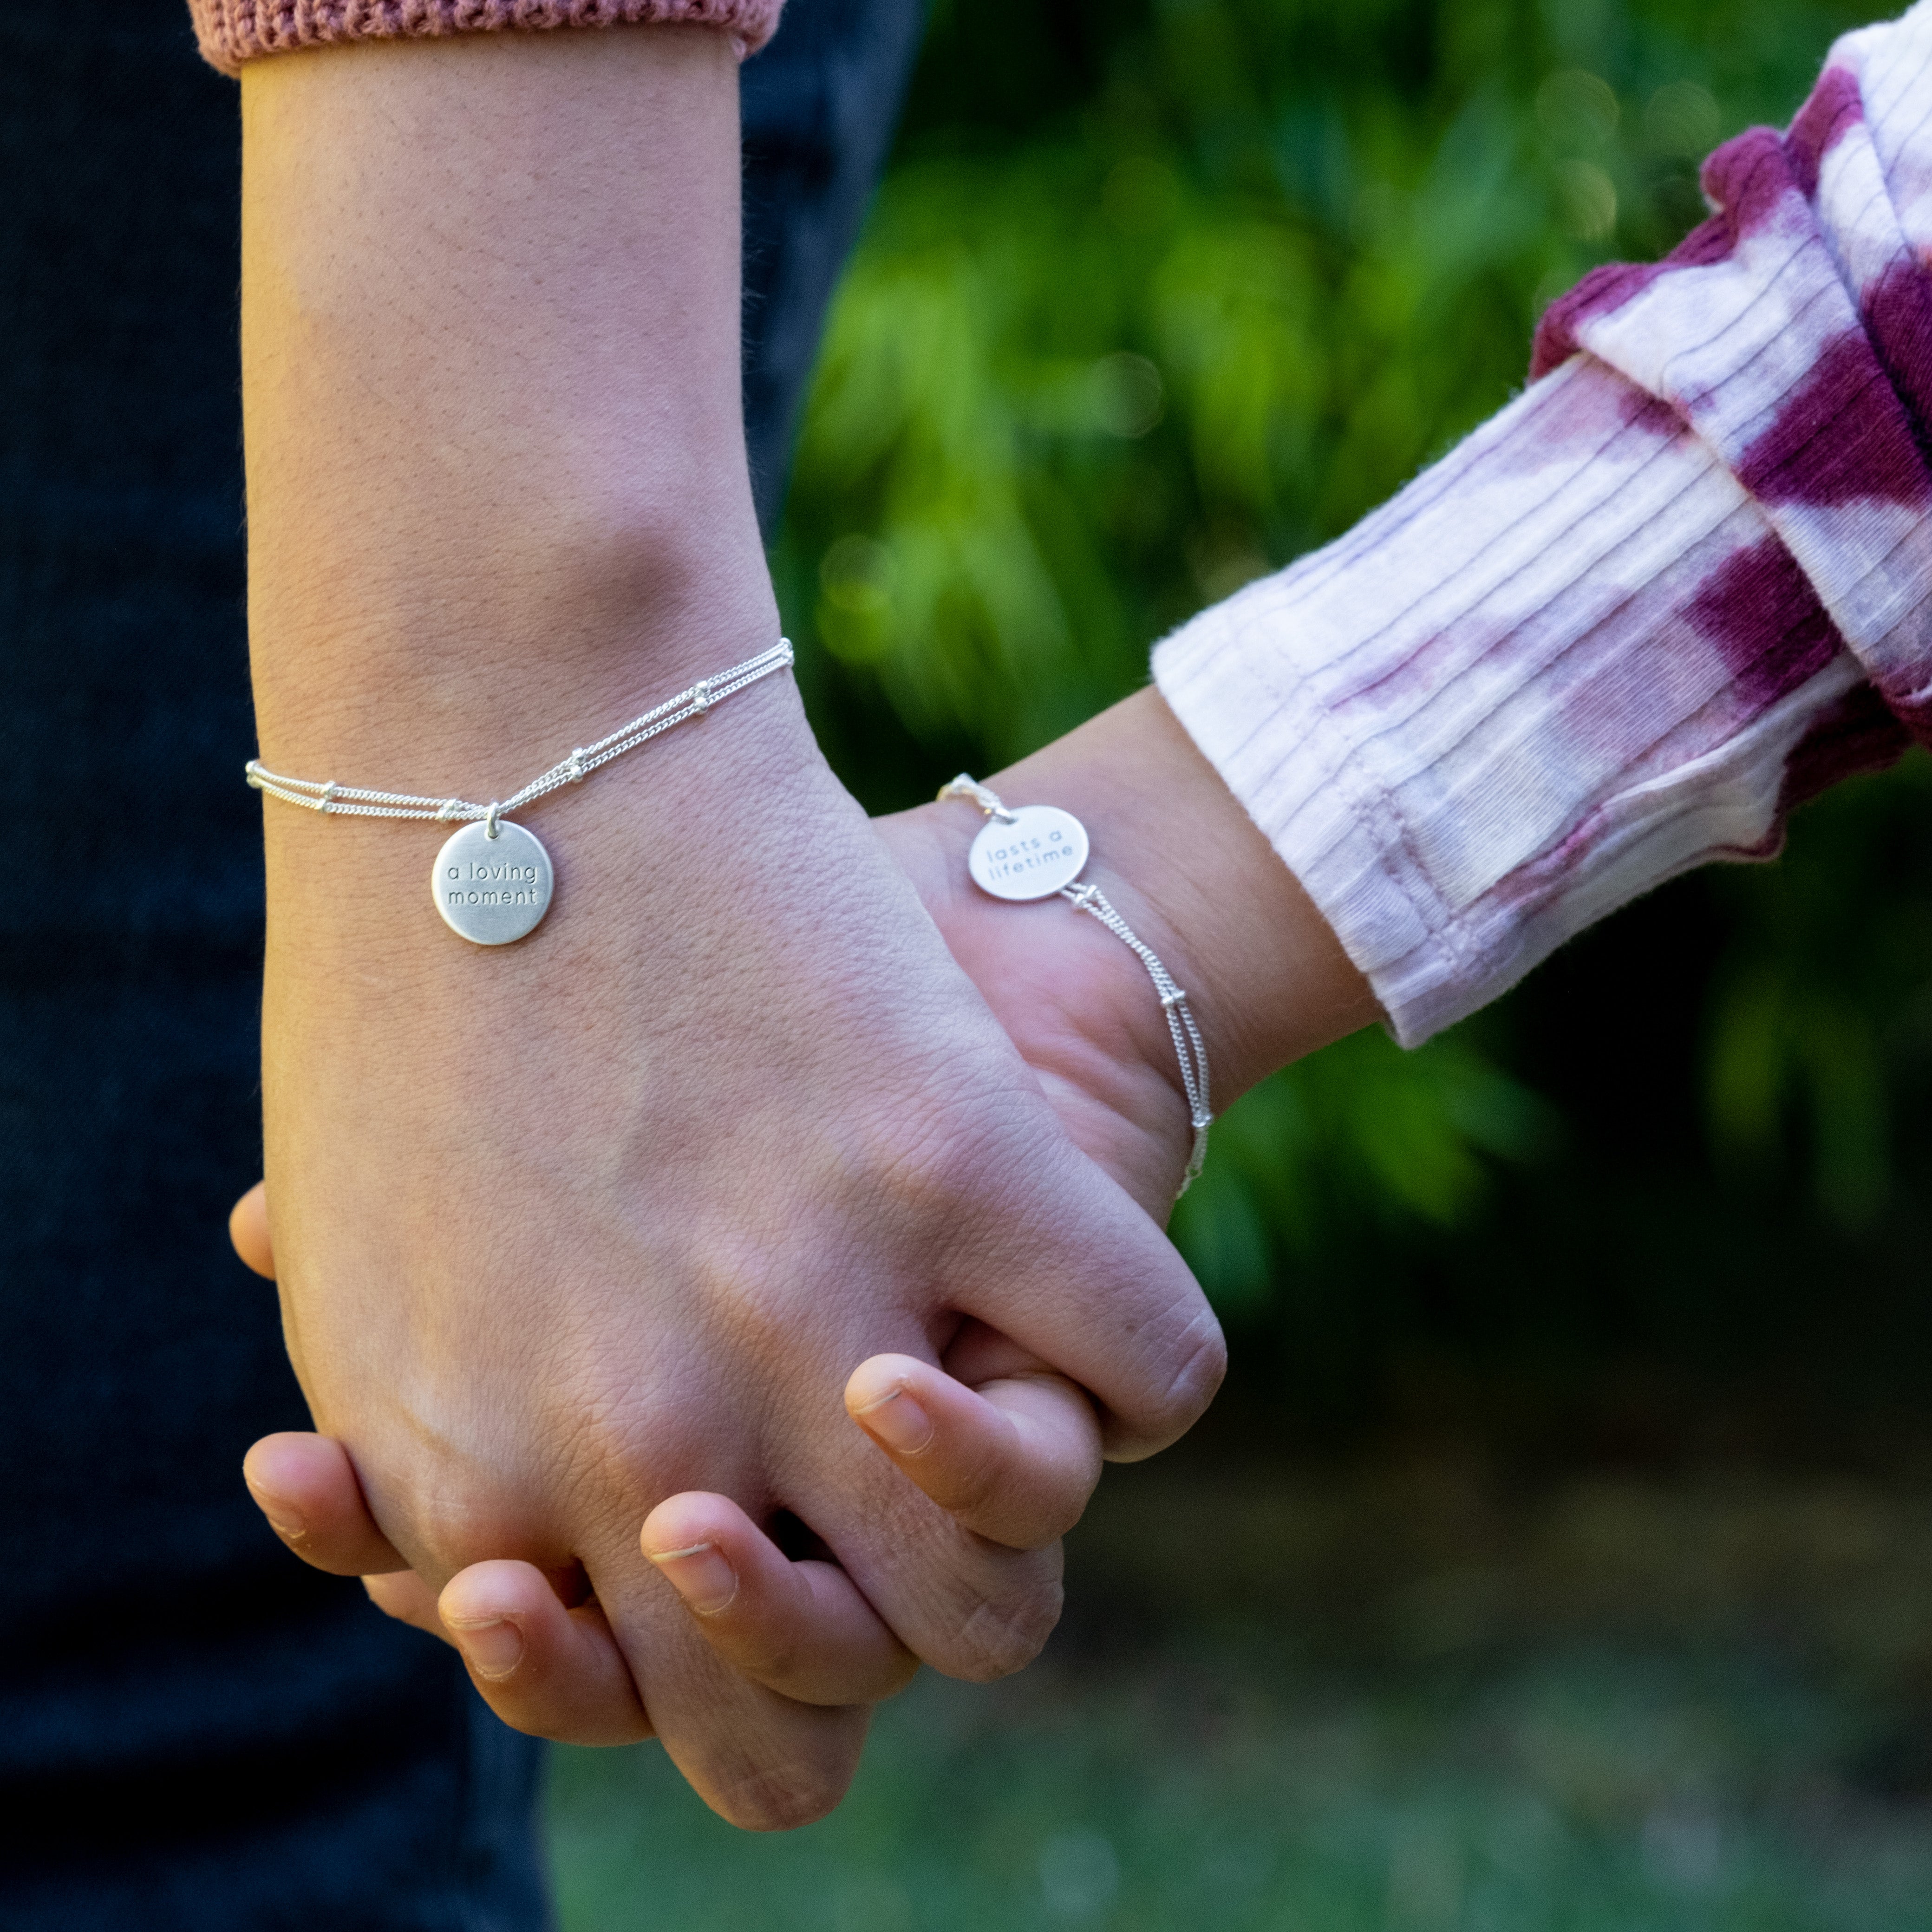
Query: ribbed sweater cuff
{"points": [[234, 31]]}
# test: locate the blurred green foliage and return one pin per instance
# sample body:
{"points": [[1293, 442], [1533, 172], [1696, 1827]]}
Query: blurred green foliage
{"points": [[1410, 1699], [1570, 1794], [1156, 297]]}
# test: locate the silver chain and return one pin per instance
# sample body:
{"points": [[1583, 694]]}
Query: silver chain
{"points": [[354, 801], [1190, 1049]]}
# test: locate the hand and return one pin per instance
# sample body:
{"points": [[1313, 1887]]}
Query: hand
{"points": [[776, 1133], [1014, 1461], [1009, 1449]]}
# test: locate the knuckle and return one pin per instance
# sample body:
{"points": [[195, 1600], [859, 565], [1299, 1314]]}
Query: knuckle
{"points": [[772, 1657], [941, 1167], [435, 1501], [970, 1487], [998, 1638], [1048, 1522], [1201, 1373], [1198, 1359], [783, 1799], [451, 1534], [758, 1306]]}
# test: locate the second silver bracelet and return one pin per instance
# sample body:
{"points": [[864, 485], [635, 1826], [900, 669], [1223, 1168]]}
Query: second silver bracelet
{"points": [[1038, 852]]}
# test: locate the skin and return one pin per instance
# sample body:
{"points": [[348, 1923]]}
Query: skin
{"points": [[1009, 1449], [585, 1228]]}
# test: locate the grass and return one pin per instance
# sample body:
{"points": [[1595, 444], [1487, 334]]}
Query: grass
{"points": [[1599, 1705]]}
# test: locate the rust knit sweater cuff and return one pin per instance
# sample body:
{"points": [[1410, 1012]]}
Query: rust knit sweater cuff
{"points": [[232, 31]]}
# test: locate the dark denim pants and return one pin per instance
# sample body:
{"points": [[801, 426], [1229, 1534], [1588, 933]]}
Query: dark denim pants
{"points": [[196, 1731]]}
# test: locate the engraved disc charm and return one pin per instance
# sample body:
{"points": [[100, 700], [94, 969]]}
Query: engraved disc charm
{"points": [[1043, 849], [491, 890]]}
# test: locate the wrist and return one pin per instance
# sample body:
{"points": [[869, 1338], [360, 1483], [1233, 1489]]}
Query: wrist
{"points": [[1075, 1003], [385, 683], [638, 847], [1190, 871]]}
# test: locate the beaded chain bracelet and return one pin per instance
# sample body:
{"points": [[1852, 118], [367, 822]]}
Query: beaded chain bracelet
{"points": [[1038, 852], [492, 880]]}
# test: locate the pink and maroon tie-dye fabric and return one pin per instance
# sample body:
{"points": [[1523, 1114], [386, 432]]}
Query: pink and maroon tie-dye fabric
{"points": [[1681, 582]]}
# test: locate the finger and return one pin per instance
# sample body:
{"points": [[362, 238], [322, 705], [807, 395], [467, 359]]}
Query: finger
{"points": [[248, 1230], [764, 1762], [800, 1629], [1101, 1296], [970, 1607], [761, 1760], [559, 1678], [407, 1598], [306, 1486], [553, 1672], [1014, 1461]]}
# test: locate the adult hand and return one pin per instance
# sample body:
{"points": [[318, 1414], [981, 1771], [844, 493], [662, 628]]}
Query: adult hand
{"points": [[613, 1216], [1003, 1444]]}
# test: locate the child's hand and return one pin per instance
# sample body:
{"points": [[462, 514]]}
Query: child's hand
{"points": [[1072, 999]]}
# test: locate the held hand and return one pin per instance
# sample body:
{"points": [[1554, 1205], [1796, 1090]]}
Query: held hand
{"points": [[1011, 1450], [1015, 1460], [611, 1217]]}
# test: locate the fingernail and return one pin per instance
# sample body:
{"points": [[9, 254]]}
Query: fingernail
{"points": [[899, 1423], [492, 1649], [701, 1574]]}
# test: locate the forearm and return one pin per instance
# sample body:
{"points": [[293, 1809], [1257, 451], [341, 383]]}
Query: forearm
{"points": [[490, 338]]}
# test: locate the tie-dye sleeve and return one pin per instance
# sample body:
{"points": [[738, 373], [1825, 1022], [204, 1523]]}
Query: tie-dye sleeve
{"points": [[1683, 582]]}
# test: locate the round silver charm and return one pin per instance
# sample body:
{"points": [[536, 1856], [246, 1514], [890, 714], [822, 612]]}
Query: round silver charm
{"points": [[1043, 849], [491, 890]]}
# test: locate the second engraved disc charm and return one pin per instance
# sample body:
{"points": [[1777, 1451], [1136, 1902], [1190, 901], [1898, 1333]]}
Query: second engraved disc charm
{"points": [[491, 890], [1043, 849]]}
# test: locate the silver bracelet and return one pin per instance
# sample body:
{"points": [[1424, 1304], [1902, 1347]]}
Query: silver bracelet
{"points": [[492, 880], [1039, 851]]}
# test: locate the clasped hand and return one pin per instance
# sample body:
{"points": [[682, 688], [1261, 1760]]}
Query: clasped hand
{"points": [[592, 1231], [598, 1230]]}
